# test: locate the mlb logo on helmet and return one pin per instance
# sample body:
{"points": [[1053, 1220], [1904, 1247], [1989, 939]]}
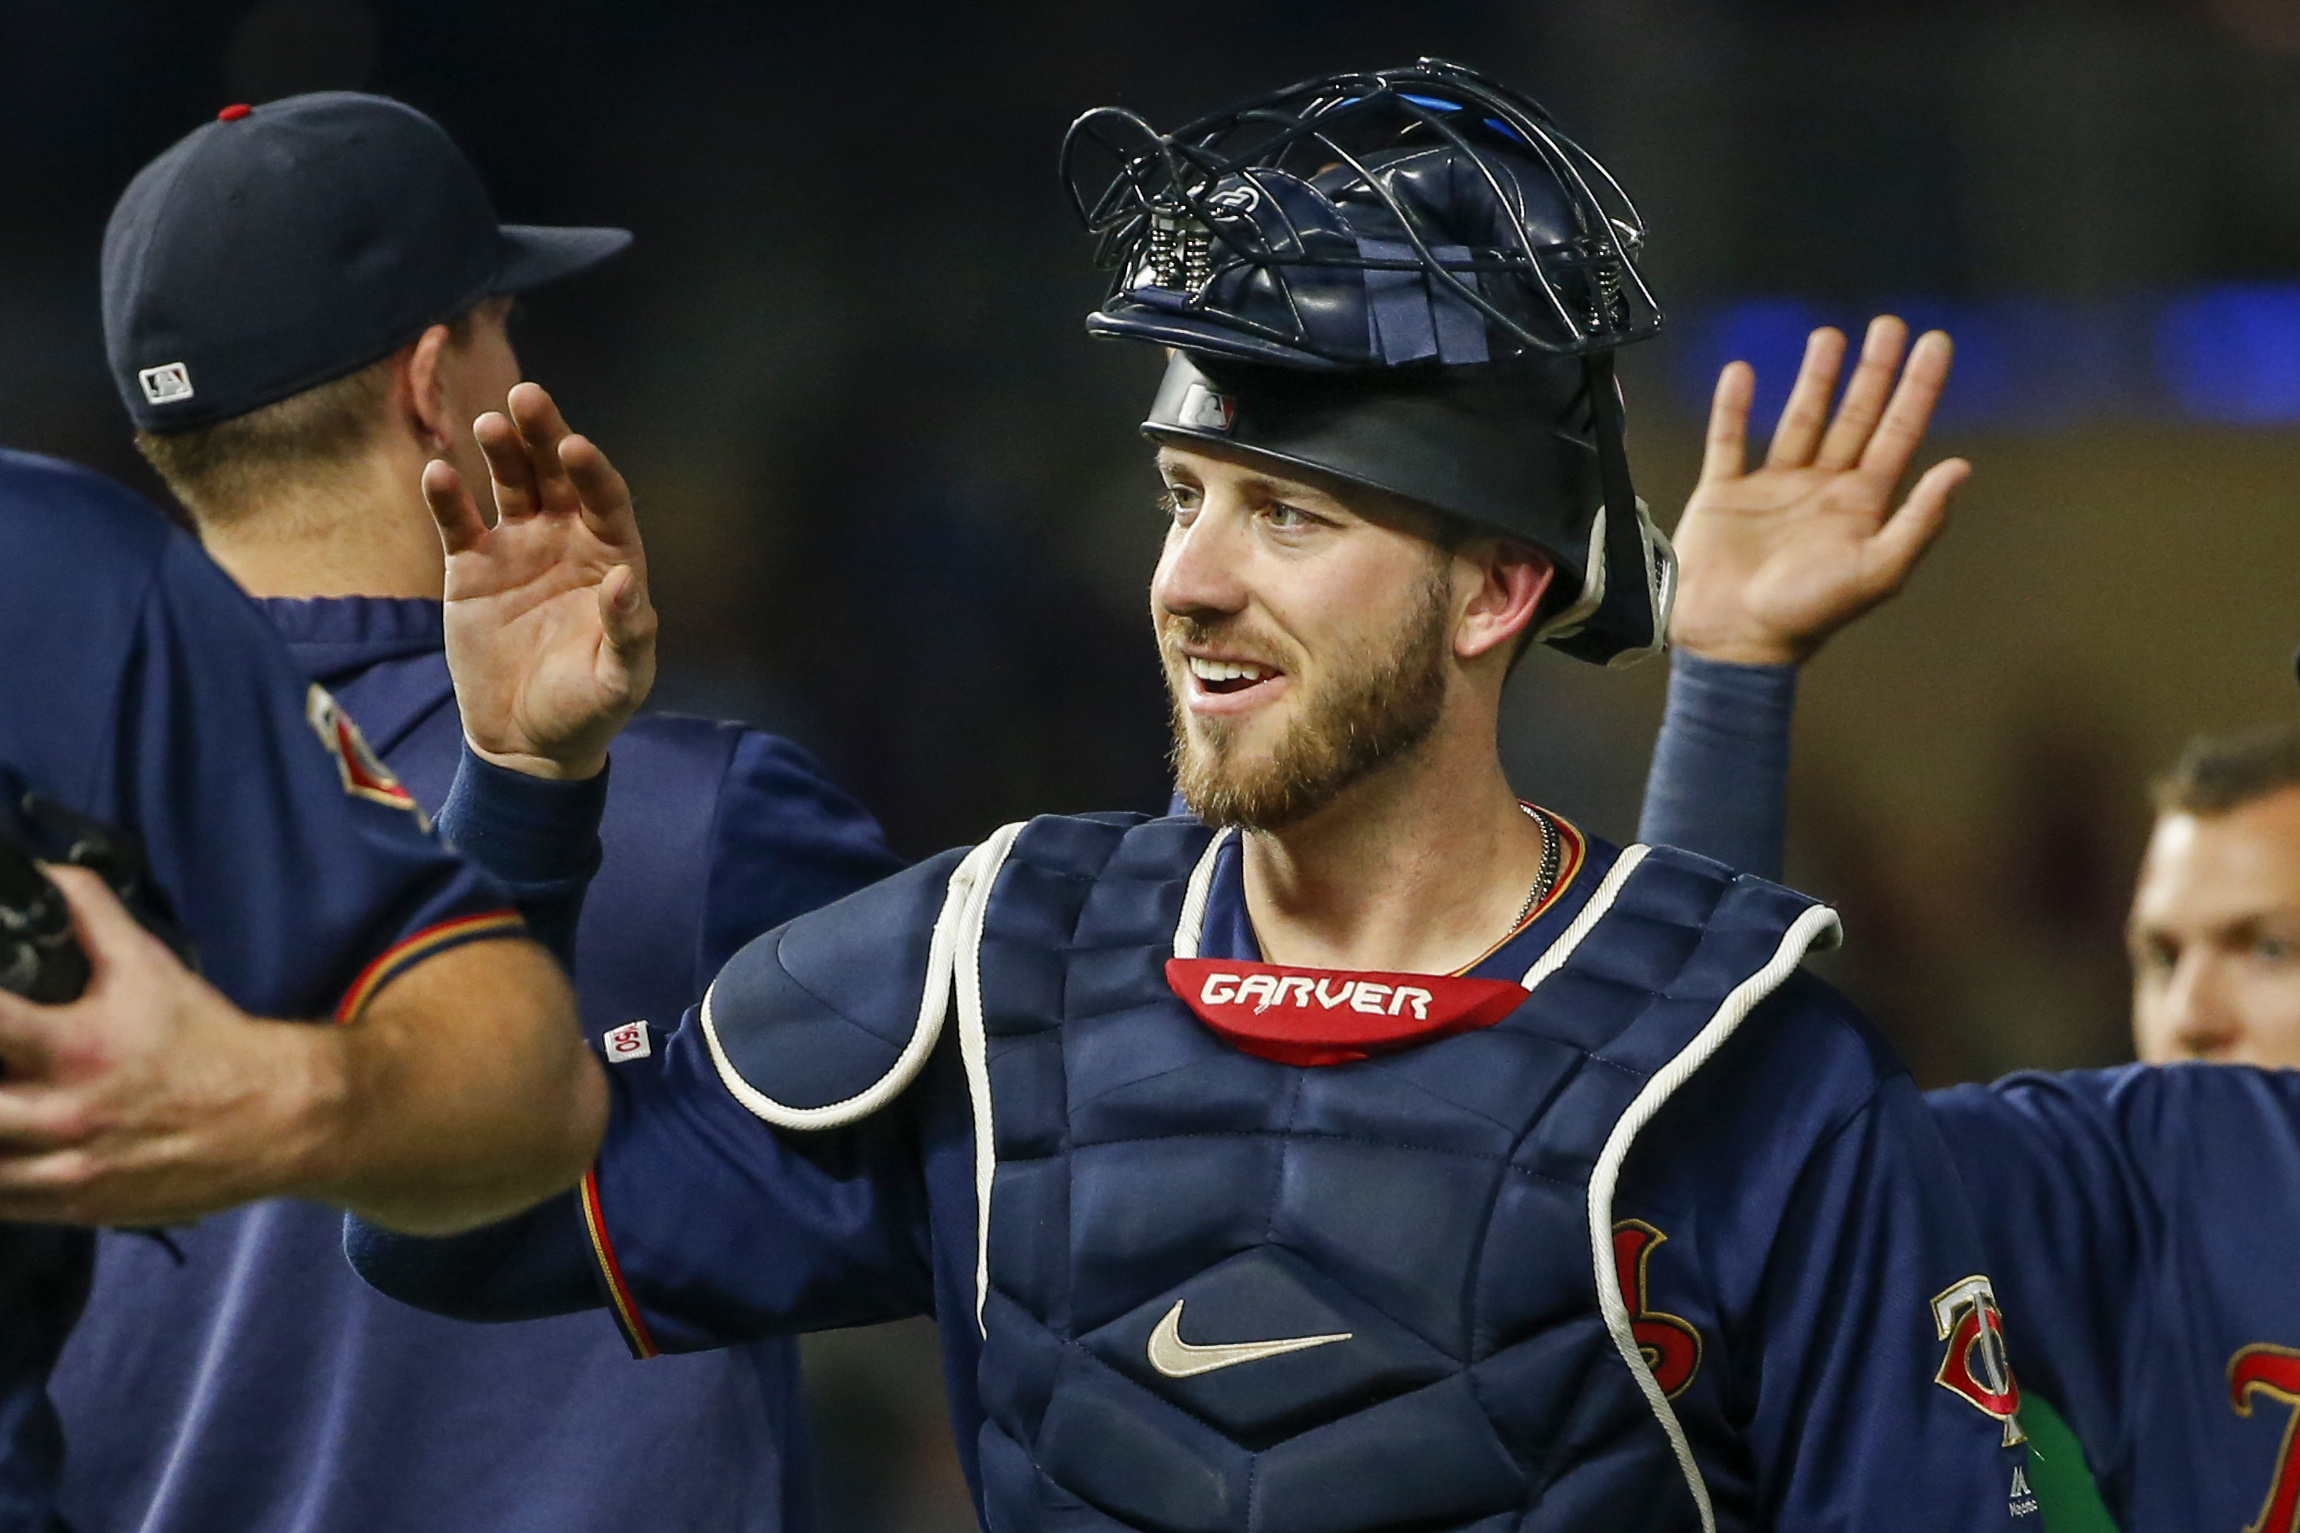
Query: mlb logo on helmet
{"points": [[1207, 410], [167, 383]]}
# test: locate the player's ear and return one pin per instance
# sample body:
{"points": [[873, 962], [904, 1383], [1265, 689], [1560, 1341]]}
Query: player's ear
{"points": [[1510, 578], [420, 390]]}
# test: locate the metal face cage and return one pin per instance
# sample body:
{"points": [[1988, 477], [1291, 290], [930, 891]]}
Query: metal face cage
{"points": [[1301, 187]]}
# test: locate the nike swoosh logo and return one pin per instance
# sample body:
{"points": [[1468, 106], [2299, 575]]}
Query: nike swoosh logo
{"points": [[1178, 1359]]}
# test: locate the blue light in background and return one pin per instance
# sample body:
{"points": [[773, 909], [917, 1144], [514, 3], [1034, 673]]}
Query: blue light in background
{"points": [[2233, 353], [2228, 355], [1767, 333]]}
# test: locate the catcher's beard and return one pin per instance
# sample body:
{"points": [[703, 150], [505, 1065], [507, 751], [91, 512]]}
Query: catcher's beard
{"points": [[1381, 700]]}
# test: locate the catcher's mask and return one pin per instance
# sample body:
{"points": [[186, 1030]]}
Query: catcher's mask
{"points": [[1407, 278]]}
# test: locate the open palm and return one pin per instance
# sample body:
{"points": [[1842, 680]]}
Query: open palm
{"points": [[1772, 561], [550, 633]]}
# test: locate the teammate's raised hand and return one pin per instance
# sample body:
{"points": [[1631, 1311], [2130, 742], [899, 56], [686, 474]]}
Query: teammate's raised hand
{"points": [[1773, 561], [550, 633]]}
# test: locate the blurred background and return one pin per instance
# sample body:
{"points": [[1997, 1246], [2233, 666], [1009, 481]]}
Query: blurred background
{"points": [[896, 507]]}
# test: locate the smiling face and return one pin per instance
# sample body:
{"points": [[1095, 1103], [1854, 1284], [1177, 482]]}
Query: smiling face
{"points": [[1308, 643], [2215, 936]]}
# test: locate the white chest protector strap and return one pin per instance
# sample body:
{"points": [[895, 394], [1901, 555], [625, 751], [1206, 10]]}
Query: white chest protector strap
{"points": [[953, 949]]}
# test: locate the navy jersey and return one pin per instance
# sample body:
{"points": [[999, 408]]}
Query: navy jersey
{"points": [[143, 689], [256, 1383], [1791, 1249], [2140, 1224]]}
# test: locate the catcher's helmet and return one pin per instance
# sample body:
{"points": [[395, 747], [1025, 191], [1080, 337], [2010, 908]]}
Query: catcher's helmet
{"points": [[1407, 278]]}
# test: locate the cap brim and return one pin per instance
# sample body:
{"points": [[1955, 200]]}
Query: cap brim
{"points": [[534, 254]]}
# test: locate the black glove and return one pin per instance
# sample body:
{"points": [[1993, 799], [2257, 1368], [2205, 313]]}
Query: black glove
{"points": [[40, 959]]}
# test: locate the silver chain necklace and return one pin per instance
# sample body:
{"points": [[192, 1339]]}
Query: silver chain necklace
{"points": [[1546, 879]]}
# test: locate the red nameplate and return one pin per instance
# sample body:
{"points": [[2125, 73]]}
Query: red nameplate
{"points": [[1334, 1016]]}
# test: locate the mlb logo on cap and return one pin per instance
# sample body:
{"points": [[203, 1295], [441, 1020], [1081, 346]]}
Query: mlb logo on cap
{"points": [[1207, 410], [166, 383]]}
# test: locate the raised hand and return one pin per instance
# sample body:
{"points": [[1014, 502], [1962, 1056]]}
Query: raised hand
{"points": [[1771, 562], [550, 634]]}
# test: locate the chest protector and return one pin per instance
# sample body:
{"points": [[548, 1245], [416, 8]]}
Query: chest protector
{"points": [[1223, 1295]]}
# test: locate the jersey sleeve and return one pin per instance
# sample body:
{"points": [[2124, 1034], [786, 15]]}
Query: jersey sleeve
{"points": [[784, 841], [764, 1168], [1719, 784], [708, 1227], [1846, 1350], [1891, 1385], [304, 873], [2067, 1215]]}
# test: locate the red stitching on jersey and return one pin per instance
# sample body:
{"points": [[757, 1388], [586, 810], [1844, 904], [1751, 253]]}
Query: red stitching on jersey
{"points": [[627, 1317], [401, 956]]}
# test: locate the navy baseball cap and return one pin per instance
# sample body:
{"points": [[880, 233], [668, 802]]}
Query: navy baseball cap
{"points": [[286, 245]]}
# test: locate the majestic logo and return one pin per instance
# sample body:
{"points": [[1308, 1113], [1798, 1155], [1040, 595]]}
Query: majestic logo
{"points": [[1179, 1359], [1671, 1346], [1333, 1016], [167, 383], [1965, 1315], [362, 770], [626, 1043], [1207, 410], [2267, 1369]]}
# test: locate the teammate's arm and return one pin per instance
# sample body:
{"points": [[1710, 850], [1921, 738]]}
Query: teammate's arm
{"points": [[153, 1099], [1771, 562], [304, 874]]}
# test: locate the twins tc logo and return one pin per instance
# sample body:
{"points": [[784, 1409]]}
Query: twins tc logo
{"points": [[1965, 1315], [1672, 1347], [2267, 1369], [362, 770]]}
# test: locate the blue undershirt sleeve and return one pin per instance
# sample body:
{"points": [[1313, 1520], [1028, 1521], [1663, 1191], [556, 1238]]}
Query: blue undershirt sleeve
{"points": [[539, 838], [1720, 779]]}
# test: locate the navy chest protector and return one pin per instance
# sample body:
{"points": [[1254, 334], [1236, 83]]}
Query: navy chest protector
{"points": [[1223, 1295]]}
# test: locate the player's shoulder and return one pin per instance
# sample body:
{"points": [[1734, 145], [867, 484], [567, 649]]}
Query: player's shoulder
{"points": [[1805, 1081], [1804, 1065], [57, 516], [1808, 1015], [817, 1022]]}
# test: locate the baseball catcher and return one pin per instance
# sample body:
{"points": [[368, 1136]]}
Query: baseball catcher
{"points": [[1366, 1148]]}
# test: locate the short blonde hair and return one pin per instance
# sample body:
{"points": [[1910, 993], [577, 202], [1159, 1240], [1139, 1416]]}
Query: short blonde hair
{"points": [[225, 471]]}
